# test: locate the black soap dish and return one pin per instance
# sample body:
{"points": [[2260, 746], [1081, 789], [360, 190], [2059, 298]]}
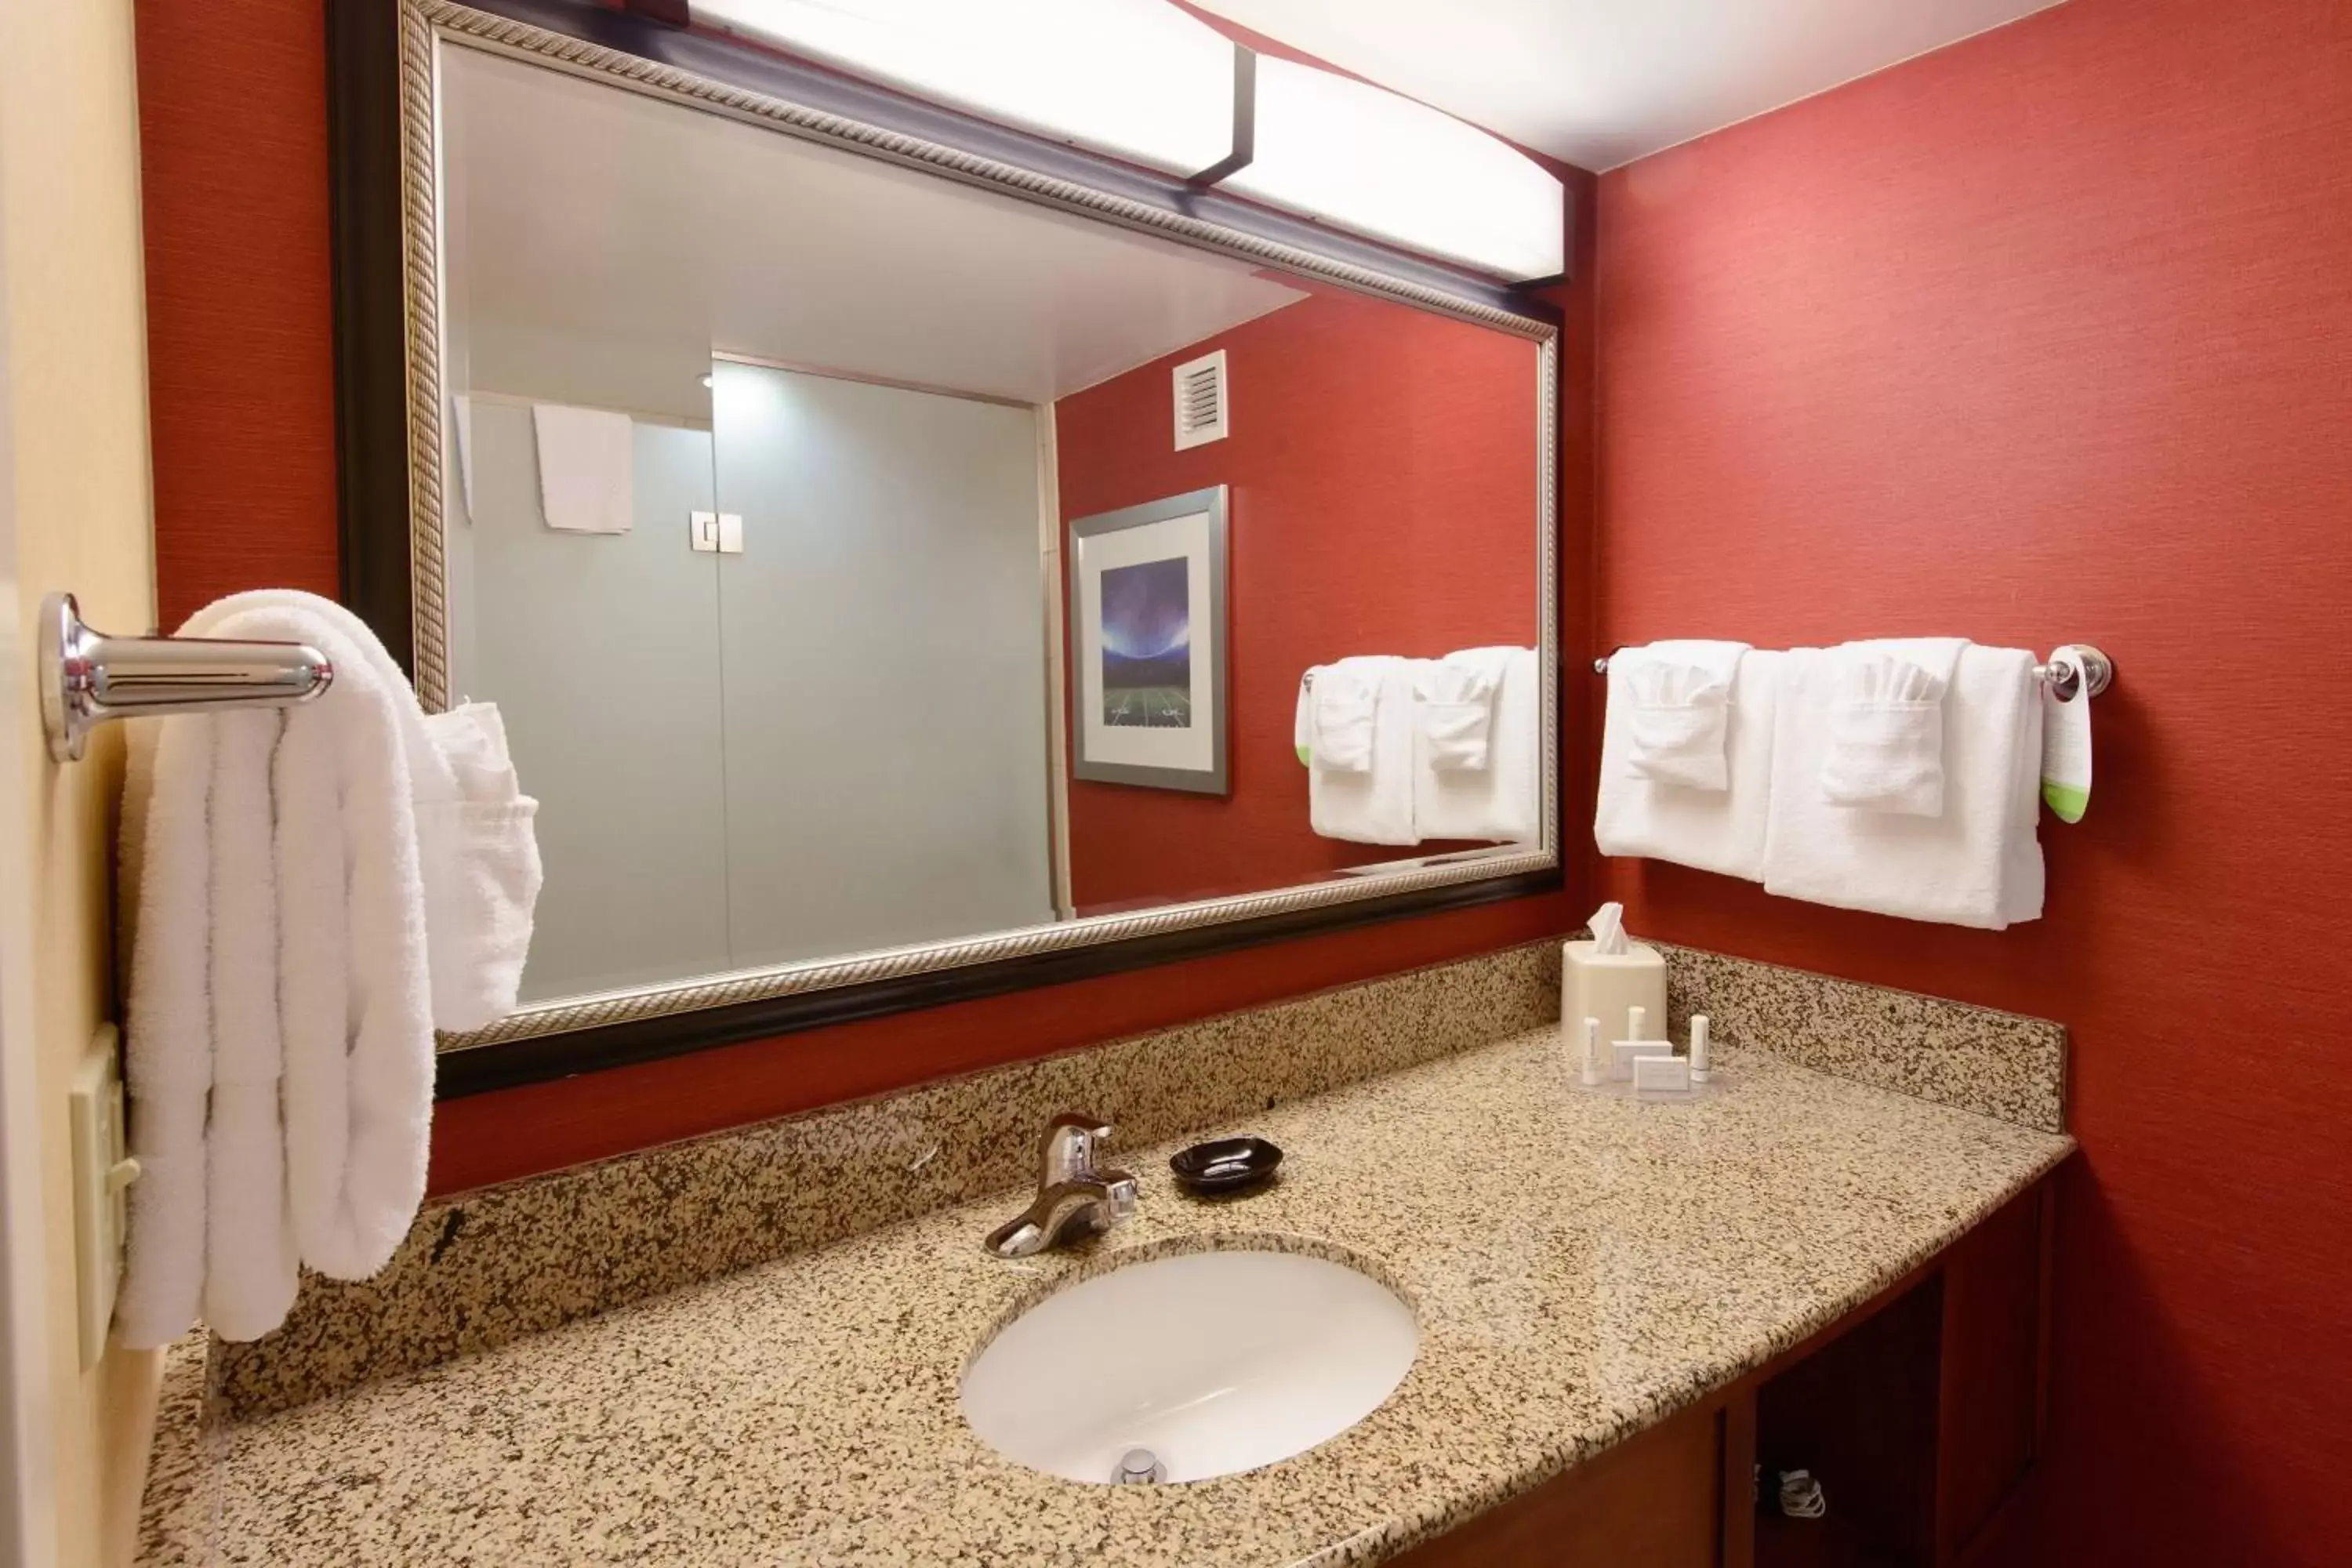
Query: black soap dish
{"points": [[1224, 1166]]}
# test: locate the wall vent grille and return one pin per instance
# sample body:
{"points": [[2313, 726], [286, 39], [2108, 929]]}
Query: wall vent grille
{"points": [[1204, 402]]}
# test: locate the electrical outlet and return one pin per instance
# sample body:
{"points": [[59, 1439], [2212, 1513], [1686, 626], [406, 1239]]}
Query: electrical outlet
{"points": [[102, 1171]]}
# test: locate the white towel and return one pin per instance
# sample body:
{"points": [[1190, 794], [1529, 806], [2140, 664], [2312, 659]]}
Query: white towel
{"points": [[1373, 804], [1344, 706], [1503, 800], [587, 468], [1719, 830], [1978, 864], [480, 850], [1678, 696], [278, 967], [1453, 707], [168, 1049], [476, 830], [1885, 745]]}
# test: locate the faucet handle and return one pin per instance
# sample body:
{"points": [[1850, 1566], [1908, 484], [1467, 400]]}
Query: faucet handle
{"points": [[1067, 1151]]}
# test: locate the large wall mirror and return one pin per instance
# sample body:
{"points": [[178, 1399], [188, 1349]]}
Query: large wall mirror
{"points": [[890, 568]]}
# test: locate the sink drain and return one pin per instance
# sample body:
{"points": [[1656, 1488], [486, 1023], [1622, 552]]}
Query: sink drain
{"points": [[1137, 1465]]}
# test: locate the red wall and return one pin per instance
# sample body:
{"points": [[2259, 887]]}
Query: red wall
{"points": [[233, 117], [1380, 501], [2043, 338], [240, 348]]}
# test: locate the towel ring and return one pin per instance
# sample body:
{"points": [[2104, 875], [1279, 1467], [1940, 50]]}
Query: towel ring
{"points": [[2095, 675], [87, 677]]}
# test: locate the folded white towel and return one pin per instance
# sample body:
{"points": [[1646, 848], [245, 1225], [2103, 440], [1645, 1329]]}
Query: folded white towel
{"points": [[587, 468], [480, 852], [1719, 830], [279, 969], [1454, 705], [1345, 706], [1371, 804], [1885, 745], [1678, 697], [1977, 864], [1503, 800]]}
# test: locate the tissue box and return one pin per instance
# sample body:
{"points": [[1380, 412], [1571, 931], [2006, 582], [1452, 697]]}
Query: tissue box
{"points": [[1605, 985]]}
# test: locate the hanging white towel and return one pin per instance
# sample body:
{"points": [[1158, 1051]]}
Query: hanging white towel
{"points": [[1885, 745], [1502, 801], [1371, 804], [1977, 864], [279, 970], [587, 468], [1719, 830]]}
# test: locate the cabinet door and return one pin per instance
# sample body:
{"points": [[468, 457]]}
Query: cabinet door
{"points": [[1655, 1502], [1995, 1364]]}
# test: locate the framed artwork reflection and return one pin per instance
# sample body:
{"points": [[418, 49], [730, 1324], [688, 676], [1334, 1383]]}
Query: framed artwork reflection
{"points": [[1147, 641]]}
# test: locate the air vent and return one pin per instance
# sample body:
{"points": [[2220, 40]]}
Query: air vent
{"points": [[1203, 413]]}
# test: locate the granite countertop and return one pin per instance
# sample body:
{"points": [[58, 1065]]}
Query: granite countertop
{"points": [[1581, 1266]]}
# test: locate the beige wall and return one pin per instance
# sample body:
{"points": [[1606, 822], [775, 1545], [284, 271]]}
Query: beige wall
{"points": [[76, 390]]}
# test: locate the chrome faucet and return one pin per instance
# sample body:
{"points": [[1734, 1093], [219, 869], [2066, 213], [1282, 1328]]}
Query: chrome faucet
{"points": [[1074, 1198]]}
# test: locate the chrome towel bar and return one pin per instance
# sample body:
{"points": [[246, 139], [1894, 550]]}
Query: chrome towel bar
{"points": [[2061, 675], [87, 677]]}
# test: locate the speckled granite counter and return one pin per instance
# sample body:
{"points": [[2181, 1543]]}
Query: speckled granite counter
{"points": [[1581, 1266]]}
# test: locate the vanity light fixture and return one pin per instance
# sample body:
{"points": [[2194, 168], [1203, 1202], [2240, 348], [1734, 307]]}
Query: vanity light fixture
{"points": [[1361, 158], [1139, 79], [1149, 82]]}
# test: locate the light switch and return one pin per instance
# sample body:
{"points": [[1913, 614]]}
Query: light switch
{"points": [[702, 531], [731, 534], [102, 1171]]}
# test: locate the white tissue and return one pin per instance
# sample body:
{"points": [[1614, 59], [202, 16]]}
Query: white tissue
{"points": [[1608, 924]]}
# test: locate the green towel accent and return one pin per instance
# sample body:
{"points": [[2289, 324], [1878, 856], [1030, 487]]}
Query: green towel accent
{"points": [[1306, 756], [2069, 801]]}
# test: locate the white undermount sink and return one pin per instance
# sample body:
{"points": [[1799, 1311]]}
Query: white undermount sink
{"points": [[1211, 1363]]}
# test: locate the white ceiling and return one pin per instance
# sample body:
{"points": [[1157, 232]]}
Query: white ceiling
{"points": [[1603, 82], [603, 244]]}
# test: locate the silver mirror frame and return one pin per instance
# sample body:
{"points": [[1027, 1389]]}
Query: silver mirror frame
{"points": [[426, 26]]}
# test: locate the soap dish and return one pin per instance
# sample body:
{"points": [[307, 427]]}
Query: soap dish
{"points": [[1223, 1166]]}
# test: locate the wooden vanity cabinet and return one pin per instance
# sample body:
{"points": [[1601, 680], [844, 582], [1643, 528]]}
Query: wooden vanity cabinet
{"points": [[1919, 1413]]}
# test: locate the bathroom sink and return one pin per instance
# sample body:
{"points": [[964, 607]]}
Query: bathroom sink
{"points": [[1208, 1362]]}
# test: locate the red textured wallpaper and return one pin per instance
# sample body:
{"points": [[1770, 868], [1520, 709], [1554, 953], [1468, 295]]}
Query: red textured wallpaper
{"points": [[2048, 337], [233, 114], [1382, 501], [240, 342]]}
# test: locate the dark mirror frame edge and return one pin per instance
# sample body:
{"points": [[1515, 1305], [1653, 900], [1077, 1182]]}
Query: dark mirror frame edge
{"points": [[372, 457]]}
